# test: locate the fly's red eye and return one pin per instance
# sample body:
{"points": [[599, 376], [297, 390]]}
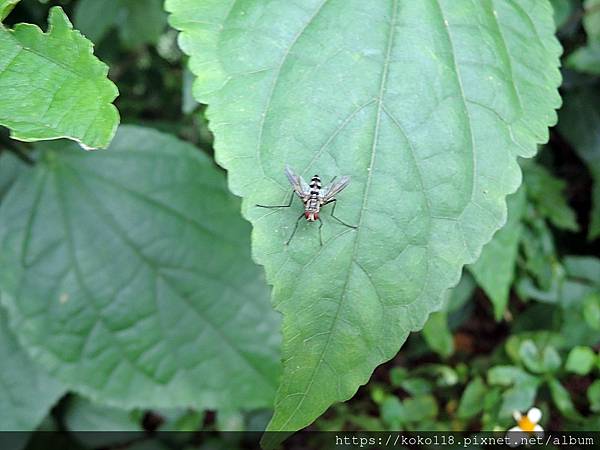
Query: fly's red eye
{"points": [[316, 215], [307, 214]]}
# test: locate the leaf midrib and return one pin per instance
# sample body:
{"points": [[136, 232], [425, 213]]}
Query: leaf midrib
{"points": [[382, 87]]}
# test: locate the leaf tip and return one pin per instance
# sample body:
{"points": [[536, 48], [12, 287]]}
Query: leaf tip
{"points": [[58, 20]]}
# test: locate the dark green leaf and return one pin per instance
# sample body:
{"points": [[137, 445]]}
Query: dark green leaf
{"points": [[584, 268], [579, 124], [392, 413], [541, 260], [419, 408], [416, 386], [10, 168], [437, 335], [580, 360], [491, 408], [539, 360], [130, 276], [26, 392], [562, 400], [593, 395], [547, 193], [137, 21], [591, 310], [94, 18], [461, 294], [471, 402], [585, 59], [562, 11], [521, 395], [591, 20], [541, 339], [495, 268], [398, 375]]}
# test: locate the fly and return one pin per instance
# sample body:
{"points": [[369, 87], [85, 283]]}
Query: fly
{"points": [[314, 198]]}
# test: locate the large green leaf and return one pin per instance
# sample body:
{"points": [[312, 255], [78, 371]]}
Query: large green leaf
{"points": [[52, 86], [26, 392], [425, 104], [129, 276], [495, 268], [580, 124]]}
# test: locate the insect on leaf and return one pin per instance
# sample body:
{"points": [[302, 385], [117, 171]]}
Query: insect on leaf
{"points": [[426, 105]]}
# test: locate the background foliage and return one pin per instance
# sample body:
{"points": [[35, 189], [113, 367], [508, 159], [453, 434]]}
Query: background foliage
{"points": [[129, 297]]}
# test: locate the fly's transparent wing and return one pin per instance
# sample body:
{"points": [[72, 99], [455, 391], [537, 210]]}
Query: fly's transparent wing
{"points": [[329, 192], [297, 182]]}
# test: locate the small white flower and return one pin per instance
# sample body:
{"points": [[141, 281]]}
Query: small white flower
{"points": [[526, 426]]}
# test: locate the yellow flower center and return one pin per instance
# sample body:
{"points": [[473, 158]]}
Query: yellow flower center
{"points": [[526, 425]]}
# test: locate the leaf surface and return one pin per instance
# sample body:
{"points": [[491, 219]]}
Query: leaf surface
{"points": [[426, 105], [26, 392], [52, 86], [129, 276], [580, 125]]}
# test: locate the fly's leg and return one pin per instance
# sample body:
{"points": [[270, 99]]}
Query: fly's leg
{"points": [[320, 232], [334, 201], [295, 228], [279, 206]]}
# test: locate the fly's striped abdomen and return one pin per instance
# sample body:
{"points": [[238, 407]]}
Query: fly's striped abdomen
{"points": [[313, 204]]}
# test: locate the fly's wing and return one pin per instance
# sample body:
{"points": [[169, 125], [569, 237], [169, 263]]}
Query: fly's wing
{"points": [[300, 187], [329, 192]]}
